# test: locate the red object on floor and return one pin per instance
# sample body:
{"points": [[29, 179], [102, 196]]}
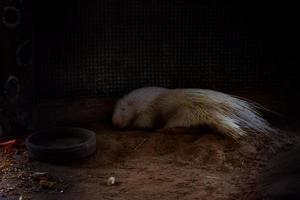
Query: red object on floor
{"points": [[8, 143], [9, 146]]}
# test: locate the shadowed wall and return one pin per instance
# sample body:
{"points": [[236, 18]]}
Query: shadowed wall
{"points": [[106, 48]]}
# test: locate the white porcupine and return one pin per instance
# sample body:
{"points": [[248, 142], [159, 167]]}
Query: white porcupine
{"points": [[155, 107]]}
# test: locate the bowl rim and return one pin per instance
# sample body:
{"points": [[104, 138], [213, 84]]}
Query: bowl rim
{"points": [[30, 144]]}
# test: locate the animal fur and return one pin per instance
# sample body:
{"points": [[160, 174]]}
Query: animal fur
{"points": [[152, 107]]}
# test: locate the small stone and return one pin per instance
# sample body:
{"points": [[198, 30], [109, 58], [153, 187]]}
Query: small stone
{"points": [[111, 181]]}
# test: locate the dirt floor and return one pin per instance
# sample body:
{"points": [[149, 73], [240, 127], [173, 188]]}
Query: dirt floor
{"points": [[178, 164]]}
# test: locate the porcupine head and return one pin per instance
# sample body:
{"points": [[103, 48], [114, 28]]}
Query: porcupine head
{"points": [[129, 108], [124, 113]]}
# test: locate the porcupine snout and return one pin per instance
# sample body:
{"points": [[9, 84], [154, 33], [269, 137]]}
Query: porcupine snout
{"points": [[118, 122]]}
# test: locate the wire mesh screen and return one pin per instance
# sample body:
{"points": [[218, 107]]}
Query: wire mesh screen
{"points": [[109, 47]]}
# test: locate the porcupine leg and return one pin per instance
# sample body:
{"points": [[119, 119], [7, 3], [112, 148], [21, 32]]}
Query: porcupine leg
{"points": [[143, 121]]}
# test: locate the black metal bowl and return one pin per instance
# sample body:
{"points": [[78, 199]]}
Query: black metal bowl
{"points": [[61, 144]]}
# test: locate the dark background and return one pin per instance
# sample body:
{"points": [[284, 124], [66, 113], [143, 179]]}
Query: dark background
{"points": [[108, 47]]}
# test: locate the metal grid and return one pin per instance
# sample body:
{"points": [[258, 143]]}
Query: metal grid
{"points": [[106, 48]]}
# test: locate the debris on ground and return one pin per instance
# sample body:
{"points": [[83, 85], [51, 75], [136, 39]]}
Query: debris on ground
{"points": [[150, 166], [18, 179]]}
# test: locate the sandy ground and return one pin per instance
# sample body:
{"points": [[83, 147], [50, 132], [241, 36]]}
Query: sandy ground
{"points": [[178, 164]]}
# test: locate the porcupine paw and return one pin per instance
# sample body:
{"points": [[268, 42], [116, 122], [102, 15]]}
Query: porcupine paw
{"points": [[144, 122]]}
